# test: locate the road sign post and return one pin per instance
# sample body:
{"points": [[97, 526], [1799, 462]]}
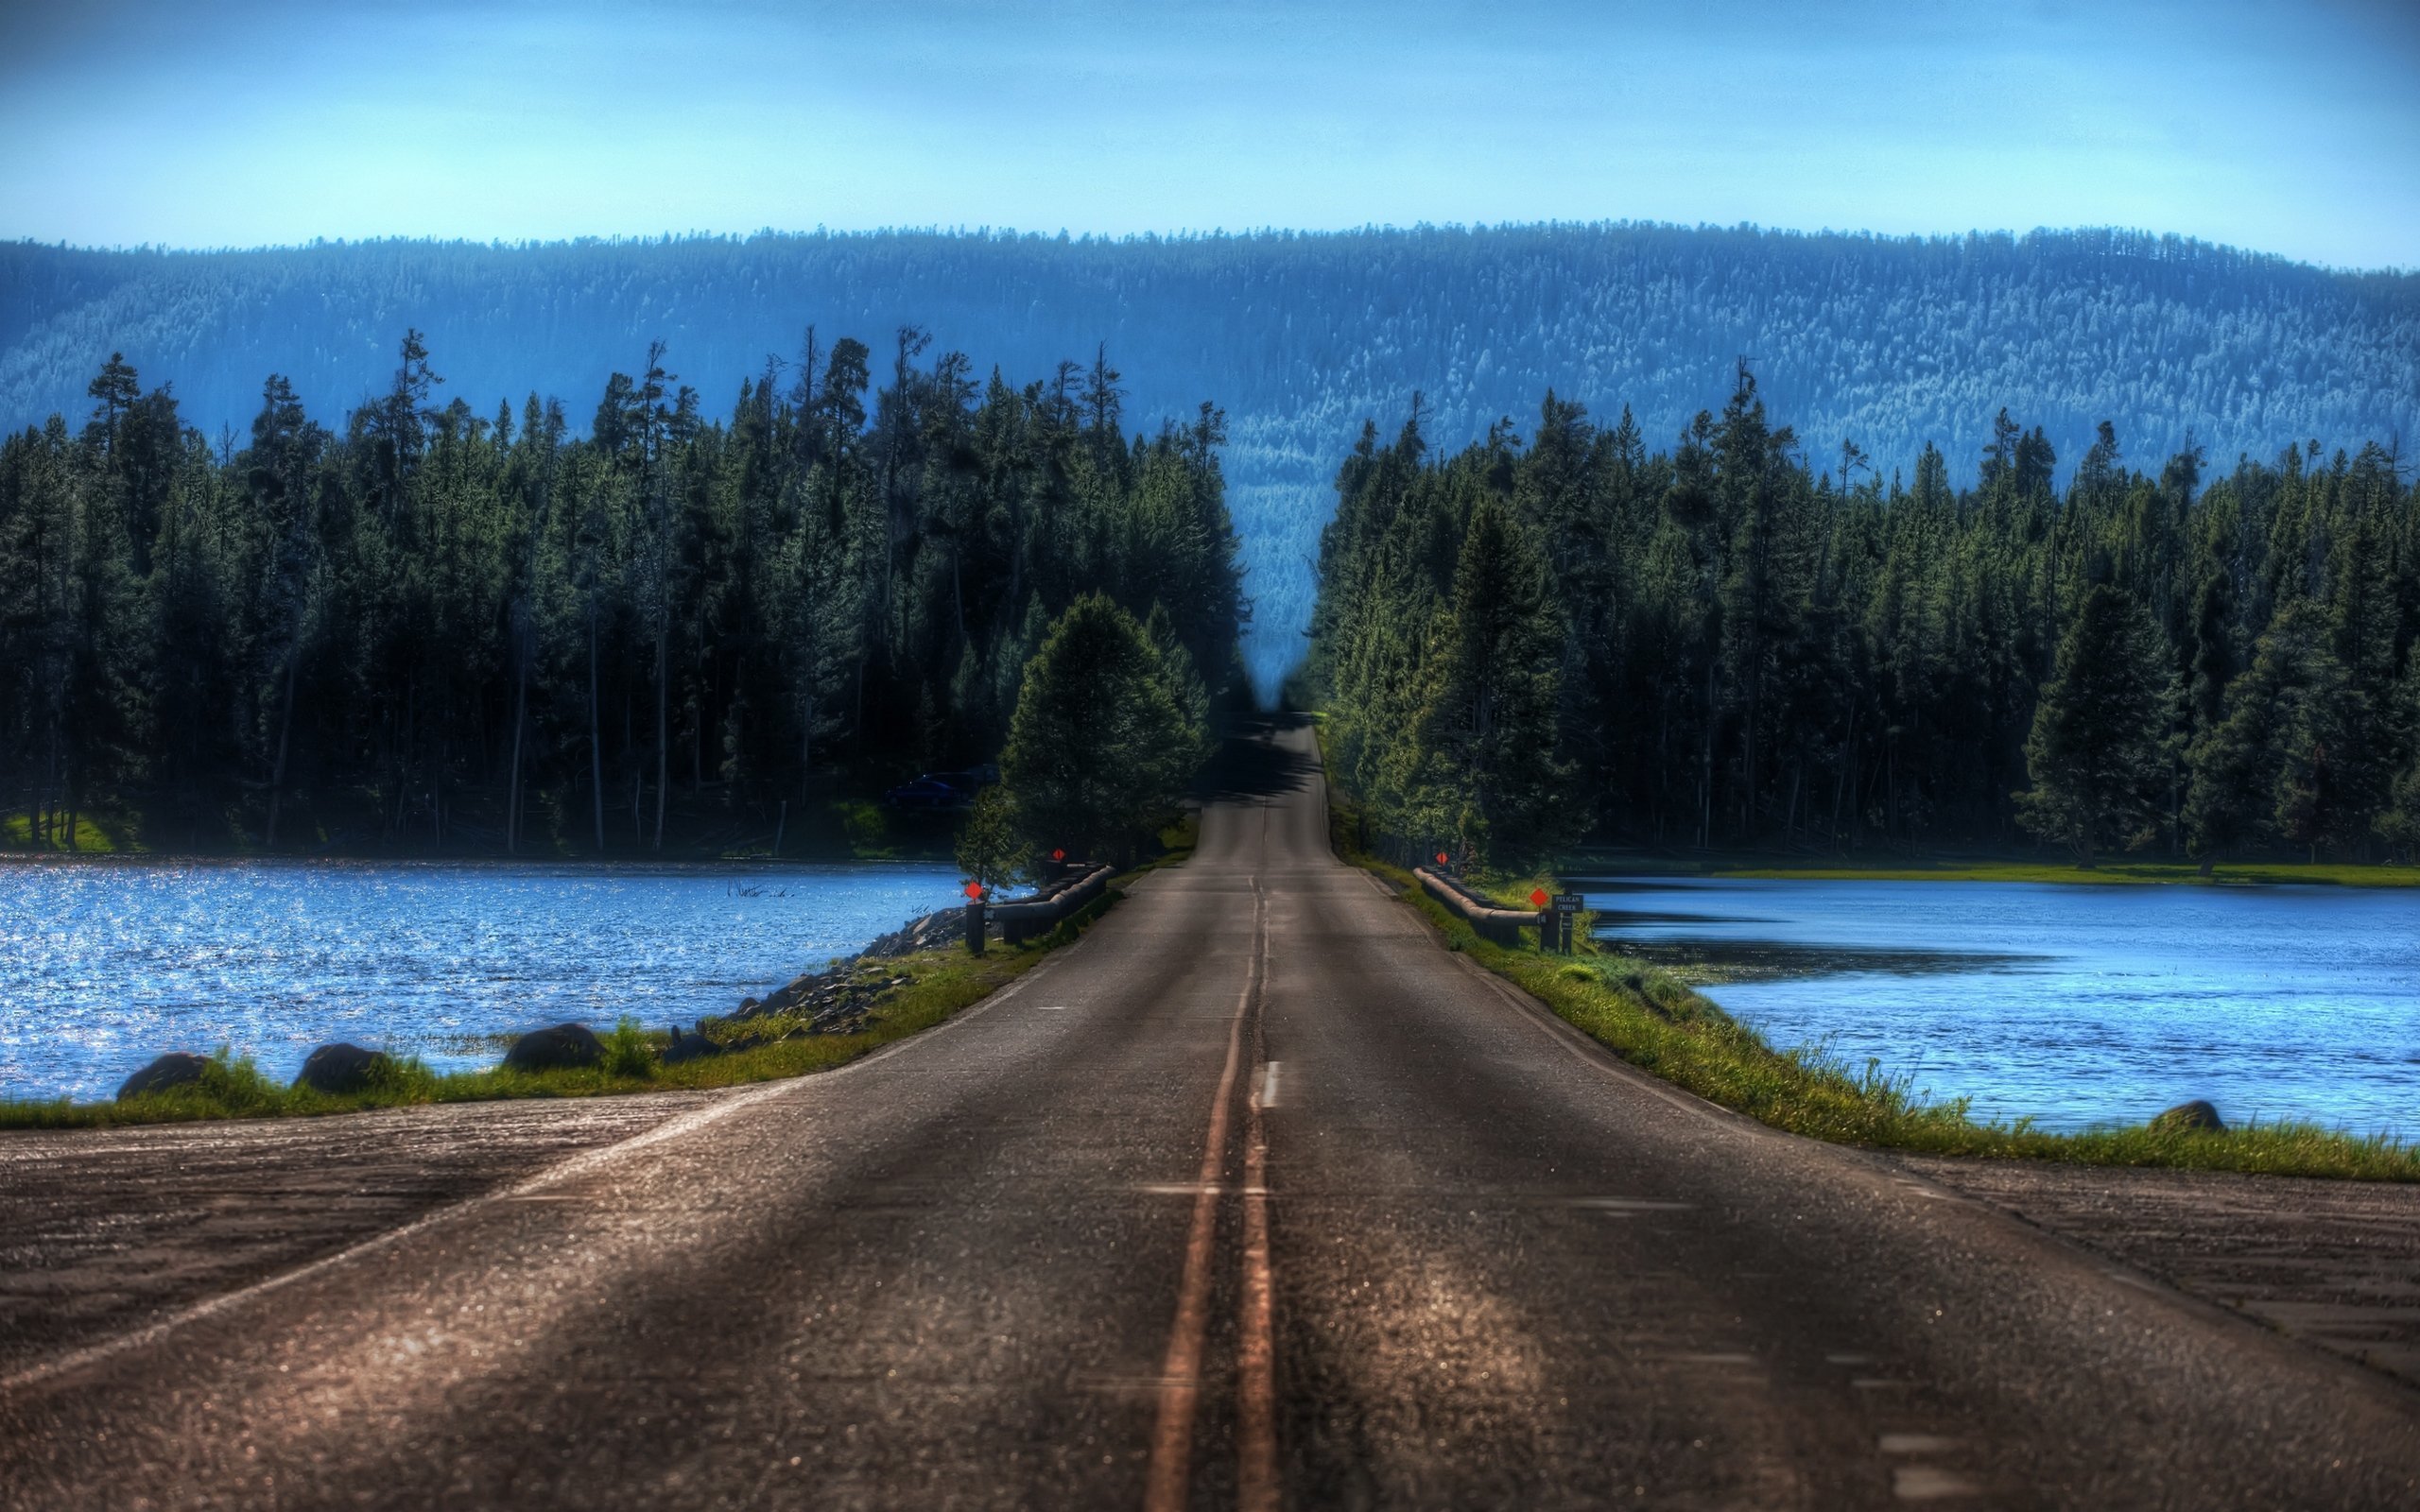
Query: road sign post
{"points": [[975, 924], [1568, 906]]}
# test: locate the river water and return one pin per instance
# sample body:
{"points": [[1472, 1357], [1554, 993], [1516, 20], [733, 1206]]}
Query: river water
{"points": [[105, 964], [2073, 1006]]}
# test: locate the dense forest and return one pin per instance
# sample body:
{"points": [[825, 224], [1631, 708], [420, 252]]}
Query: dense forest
{"points": [[435, 624], [1742, 640], [1892, 343]]}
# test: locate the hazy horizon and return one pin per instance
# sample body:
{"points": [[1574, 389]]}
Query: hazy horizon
{"points": [[1184, 234], [2251, 124]]}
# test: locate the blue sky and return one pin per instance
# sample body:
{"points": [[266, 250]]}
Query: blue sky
{"points": [[2285, 127]]}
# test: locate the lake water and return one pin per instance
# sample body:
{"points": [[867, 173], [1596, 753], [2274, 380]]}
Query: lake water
{"points": [[103, 966], [2075, 1005]]}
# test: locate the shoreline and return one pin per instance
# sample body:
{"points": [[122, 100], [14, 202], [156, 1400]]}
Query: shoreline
{"points": [[1651, 1019], [2116, 874], [1647, 1016], [916, 990]]}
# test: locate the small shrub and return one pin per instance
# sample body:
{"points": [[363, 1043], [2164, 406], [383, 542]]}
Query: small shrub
{"points": [[627, 1050], [232, 1084], [868, 832], [394, 1079]]}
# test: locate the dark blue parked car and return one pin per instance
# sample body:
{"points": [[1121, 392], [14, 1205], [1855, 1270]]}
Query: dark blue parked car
{"points": [[942, 792]]}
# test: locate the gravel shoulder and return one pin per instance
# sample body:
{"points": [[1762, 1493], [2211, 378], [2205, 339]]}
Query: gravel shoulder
{"points": [[2333, 1263], [103, 1232]]}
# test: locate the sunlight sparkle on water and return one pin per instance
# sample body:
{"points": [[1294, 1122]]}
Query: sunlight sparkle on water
{"points": [[2074, 1006], [110, 964]]}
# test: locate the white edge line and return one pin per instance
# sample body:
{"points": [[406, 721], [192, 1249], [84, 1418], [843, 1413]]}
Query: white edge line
{"points": [[575, 1165]]}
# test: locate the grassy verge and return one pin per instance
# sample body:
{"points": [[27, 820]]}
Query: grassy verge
{"points": [[1177, 842], [96, 834], [1651, 1019], [940, 984], [1654, 1020], [1658, 1024]]}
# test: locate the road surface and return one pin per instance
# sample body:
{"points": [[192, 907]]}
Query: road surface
{"points": [[1257, 1198]]}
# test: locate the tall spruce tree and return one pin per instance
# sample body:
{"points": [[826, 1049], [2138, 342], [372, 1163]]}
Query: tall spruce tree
{"points": [[1098, 752], [2096, 755], [1495, 673]]}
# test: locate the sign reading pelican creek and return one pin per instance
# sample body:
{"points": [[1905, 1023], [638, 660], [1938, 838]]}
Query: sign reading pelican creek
{"points": [[1568, 906]]}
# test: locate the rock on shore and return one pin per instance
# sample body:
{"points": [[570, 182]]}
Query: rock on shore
{"points": [[338, 1069], [2196, 1116], [930, 933], [175, 1068], [564, 1047]]}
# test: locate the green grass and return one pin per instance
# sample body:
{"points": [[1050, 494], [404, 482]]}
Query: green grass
{"points": [[940, 983], [1177, 842], [2124, 872], [96, 834], [1652, 1017]]}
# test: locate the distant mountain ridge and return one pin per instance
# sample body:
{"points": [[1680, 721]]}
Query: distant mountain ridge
{"points": [[1892, 342]]}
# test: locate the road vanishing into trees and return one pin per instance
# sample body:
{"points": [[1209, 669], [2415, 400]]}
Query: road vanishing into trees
{"points": [[1256, 1197]]}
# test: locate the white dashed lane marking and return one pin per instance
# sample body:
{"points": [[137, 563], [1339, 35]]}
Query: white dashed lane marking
{"points": [[1628, 1205], [1922, 1483], [1916, 1444]]}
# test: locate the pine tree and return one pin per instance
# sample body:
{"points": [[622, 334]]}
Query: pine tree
{"points": [[2264, 775], [2399, 825], [1098, 754], [2096, 751], [1495, 670]]}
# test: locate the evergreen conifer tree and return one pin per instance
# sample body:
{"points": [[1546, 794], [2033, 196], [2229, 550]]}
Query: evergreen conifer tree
{"points": [[2096, 750], [1098, 753]]}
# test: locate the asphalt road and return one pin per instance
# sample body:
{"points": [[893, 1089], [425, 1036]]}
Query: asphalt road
{"points": [[1254, 1199]]}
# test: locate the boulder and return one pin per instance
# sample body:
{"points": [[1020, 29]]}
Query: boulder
{"points": [[780, 1000], [2196, 1116], [564, 1047], [687, 1047], [932, 931], [175, 1068], [340, 1068]]}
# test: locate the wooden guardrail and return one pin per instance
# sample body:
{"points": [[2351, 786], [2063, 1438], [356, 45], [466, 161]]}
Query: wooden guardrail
{"points": [[1493, 922]]}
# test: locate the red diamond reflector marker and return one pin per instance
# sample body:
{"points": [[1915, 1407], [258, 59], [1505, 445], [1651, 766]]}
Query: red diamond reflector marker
{"points": [[974, 889], [1538, 896]]}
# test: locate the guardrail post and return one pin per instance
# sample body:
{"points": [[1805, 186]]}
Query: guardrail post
{"points": [[975, 926]]}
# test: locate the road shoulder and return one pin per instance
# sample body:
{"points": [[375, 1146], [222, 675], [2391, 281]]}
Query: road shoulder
{"points": [[2329, 1262], [104, 1231], [2332, 1264]]}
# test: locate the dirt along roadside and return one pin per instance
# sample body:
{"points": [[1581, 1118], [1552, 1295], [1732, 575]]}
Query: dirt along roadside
{"points": [[2332, 1263], [103, 1232]]}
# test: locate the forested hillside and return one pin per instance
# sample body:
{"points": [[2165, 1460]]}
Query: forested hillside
{"points": [[1891, 343], [528, 627], [1524, 644]]}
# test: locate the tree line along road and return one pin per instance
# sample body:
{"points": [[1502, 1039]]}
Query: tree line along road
{"points": [[1254, 1199]]}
